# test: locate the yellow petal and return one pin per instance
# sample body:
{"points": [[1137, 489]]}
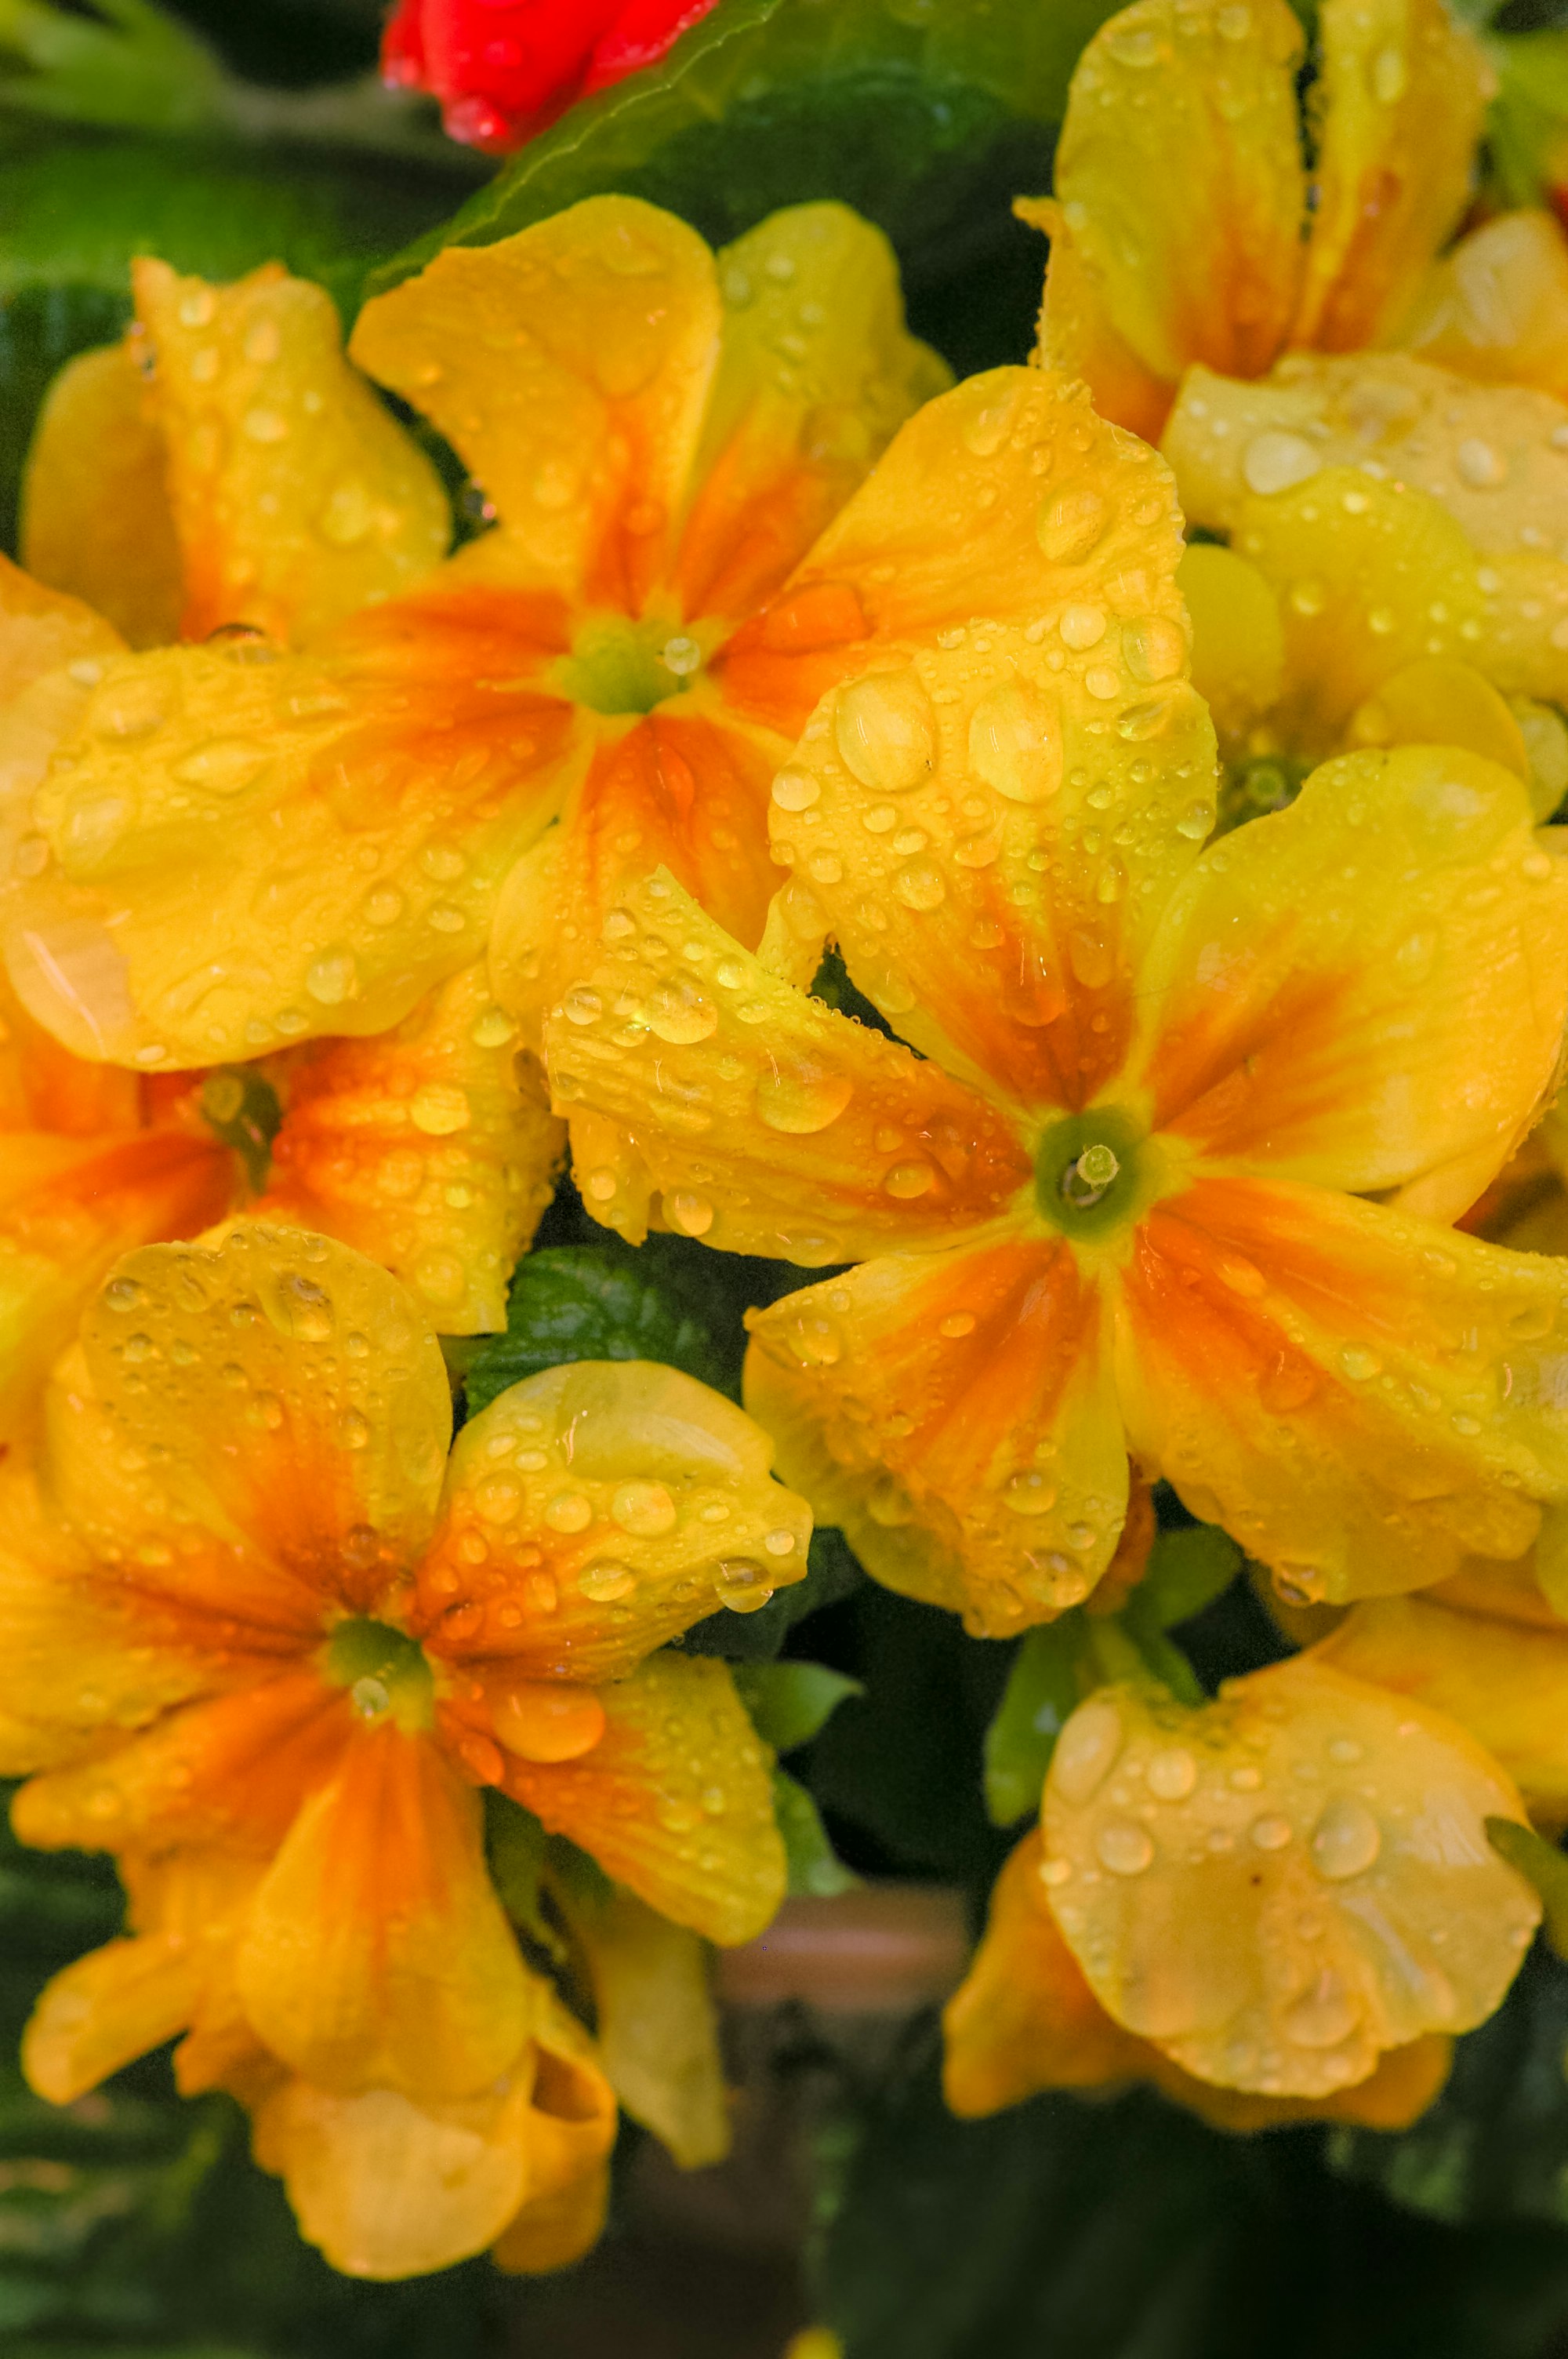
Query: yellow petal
{"points": [[44, 630], [1238, 643], [676, 1801], [954, 1415], [108, 2008], [771, 1124], [555, 2230], [96, 519], [1180, 179], [1439, 701], [296, 496], [1256, 1885], [429, 1147], [1362, 1399], [239, 1412], [1397, 113], [1501, 1679], [1323, 975], [375, 1953], [286, 845], [44, 1088], [658, 2033], [816, 372], [594, 1511], [1496, 307], [570, 365], [1076, 337]]}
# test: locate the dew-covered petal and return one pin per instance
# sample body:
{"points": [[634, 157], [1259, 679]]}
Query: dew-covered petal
{"points": [[1361, 1399], [390, 2189], [253, 1424], [68, 1208], [234, 849], [1076, 337], [1502, 1680], [955, 1417], [771, 1124], [1320, 1890], [375, 1952], [297, 496], [993, 828], [1370, 989], [430, 1147], [1179, 177], [676, 1801], [1495, 307], [1007, 499], [96, 516], [1398, 109], [816, 372], [684, 791], [592, 1513], [227, 1770], [570, 366]]}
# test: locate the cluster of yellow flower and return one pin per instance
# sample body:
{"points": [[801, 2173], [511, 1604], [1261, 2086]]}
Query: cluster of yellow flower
{"points": [[1154, 1173]]}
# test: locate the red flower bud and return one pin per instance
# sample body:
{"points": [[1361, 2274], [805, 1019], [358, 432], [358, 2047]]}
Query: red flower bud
{"points": [[504, 69]]}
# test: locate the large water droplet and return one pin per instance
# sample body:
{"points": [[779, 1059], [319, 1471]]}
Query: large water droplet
{"points": [[547, 1720], [801, 1099], [1123, 1847], [1085, 1751], [885, 731], [679, 1012], [644, 1509], [1015, 743], [1345, 1839], [1172, 1773], [1324, 2016]]}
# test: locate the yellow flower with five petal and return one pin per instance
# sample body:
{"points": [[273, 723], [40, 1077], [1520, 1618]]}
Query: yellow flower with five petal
{"points": [[1113, 1199], [255, 1645]]}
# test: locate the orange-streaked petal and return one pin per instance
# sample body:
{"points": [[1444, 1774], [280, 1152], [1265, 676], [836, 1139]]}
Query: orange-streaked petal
{"points": [[390, 2189], [1302, 1883], [676, 1801], [68, 1208], [1501, 1679], [771, 1124], [296, 496], [686, 790], [44, 1088], [816, 372], [993, 828], [1359, 1397], [957, 1418], [286, 845], [429, 1147], [96, 519], [1179, 176], [1370, 989], [594, 1511], [570, 366], [1497, 306], [1007, 499], [257, 1425], [229, 1771], [375, 1952], [1397, 111], [1076, 334]]}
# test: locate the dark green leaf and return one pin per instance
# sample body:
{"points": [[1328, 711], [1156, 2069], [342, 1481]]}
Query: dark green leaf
{"points": [[926, 117], [832, 1574], [240, 1106], [790, 1701], [815, 1871], [1042, 1688], [1188, 1570]]}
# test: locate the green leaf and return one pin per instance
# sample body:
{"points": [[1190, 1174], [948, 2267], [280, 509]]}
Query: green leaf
{"points": [[815, 1871], [1188, 1570], [790, 1701], [240, 1106], [1529, 117], [1127, 2230], [1543, 1865], [1042, 1688], [832, 1574], [926, 116], [114, 61]]}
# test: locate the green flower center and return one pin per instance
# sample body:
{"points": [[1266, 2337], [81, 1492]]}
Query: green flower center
{"points": [[620, 666], [383, 1670], [1089, 1171]]}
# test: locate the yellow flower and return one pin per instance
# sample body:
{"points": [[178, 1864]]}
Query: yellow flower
{"points": [[307, 840], [1116, 1204], [252, 1625]]}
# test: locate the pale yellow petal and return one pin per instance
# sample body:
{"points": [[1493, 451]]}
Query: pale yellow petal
{"points": [[96, 519]]}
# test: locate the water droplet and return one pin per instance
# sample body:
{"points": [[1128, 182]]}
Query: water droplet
{"points": [[1082, 627], [1479, 465], [1276, 462], [347, 514], [957, 1323], [606, 1582], [885, 731], [123, 1295], [907, 1180], [681, 655], [569, 1511], [1070, 524], [1358, 1364], [1345, 1839], [692, 1214], [225, 766], [679, 1012], [547, 1720], [1388, 76], [307, 1308], [1172, 1773], [1126, 1849], [262, 425], [1085, 1751], [354, 1430], [920, 884], [1028, 1493], [742, 1584], [802, 1099], [332, 978], [439, 1108], [779, 1543], [796, 790], [1324, 2016], [370, 1697], [1273, 1831], [1015, 743], [644, 1509]]}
